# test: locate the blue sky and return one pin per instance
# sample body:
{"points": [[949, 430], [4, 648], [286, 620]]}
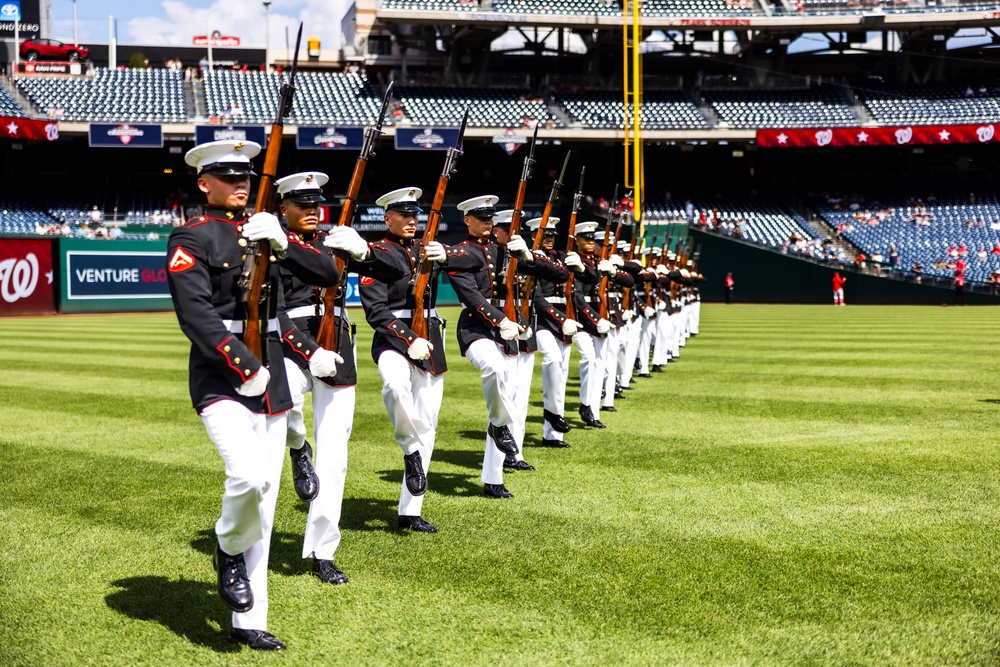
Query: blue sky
{"points": [[177, 21]]}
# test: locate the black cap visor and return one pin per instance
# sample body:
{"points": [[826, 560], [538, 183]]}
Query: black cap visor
{"points": [[229, 169]]}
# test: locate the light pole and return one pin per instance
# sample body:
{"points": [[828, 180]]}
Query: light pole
{"points": [[267, 33], [76, 37]]}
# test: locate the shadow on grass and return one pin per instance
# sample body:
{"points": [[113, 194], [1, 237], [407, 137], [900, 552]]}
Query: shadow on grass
{"points": [[995, 401], [463, 458], [443, 483], [189, 609]]}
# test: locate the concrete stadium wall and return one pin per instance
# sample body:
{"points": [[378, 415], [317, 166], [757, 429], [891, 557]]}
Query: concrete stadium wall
{"points": [[766, 276]]}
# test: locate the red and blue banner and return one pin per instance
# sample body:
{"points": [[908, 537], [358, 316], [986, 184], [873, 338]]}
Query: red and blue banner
{"points": [[29, 129], [908, 135]]}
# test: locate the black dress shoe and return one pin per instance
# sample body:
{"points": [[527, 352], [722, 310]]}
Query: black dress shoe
{"points": [[416, 480], [551, 442], [496, 491], [657, 368], [608, 408], [328, 571], [503, 439], [557, 422], [258, 640], [511, 463], [233, 583], [304, 475], [627, 387], [644, 375], [599, 424], [620, 396], [416, 523], [587, 416]]}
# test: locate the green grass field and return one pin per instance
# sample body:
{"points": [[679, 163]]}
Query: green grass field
{"points": [[807, 486]]}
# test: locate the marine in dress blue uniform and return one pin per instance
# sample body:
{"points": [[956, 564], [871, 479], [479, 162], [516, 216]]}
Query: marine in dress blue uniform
{"points": [[242, 401], [411, 367], [331, 387], [591, 339], [486, 337]]}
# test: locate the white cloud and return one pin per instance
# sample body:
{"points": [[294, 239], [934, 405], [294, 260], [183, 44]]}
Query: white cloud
{"points": [[238, 18]]}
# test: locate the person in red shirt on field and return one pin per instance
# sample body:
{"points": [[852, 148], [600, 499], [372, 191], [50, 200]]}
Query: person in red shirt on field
{"points": [[838, 288], [729, 287]]}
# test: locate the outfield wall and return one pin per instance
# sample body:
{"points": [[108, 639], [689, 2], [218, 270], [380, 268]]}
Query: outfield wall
{"points": [[43, 275], [766, 276]]}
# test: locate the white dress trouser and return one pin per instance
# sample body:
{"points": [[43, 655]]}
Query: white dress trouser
{"points": [[499, 377], [695, 317], [615, 339], [333, 417], [412, 400], [525, 369], [662, 341], [646, 337], [252, 446], [591, 349], [555, 372], [626, 359]]}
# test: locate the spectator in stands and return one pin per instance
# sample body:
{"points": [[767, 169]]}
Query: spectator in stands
{"points": [[838, 288], [96, 216], [982, 254], [996, 249], [917, 271], [995, 225], [893, 256], [152, 236], [115, 233], [65, 229], [994, 279]]}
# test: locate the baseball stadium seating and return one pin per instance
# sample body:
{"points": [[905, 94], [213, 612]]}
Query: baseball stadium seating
{"points": [[763, 222], [953, 220], [818, 107], [252, 97], [932, 104], [111, 95], [8, 107], [501, 108], [662, 110]]}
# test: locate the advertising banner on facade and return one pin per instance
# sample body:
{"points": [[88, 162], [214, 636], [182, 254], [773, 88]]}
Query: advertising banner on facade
{"points": [[29, 128], [26, 278], [910, 135], [426, 138], [330, 138], [206, 133], [125, 135], [114, 276]]}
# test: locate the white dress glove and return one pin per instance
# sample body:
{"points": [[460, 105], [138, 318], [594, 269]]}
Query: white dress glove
{"points": [[662, 269], [541, 254], [435, 252], [347, 239], [628, 315], [649, 312], [603, 326], [265, 226], [574, 262], [525, 335], [419, 349], [661, 305], [570, 327], [518, 248], [324, 363], [508, 330], [605, 266], [617, 260], [257, 384]]}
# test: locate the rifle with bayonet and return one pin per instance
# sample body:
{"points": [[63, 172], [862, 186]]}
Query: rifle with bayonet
{"points": [[603, 290], [571, 246], [327, 337], [627, 292], [258, 258], [510, 277], [650, 265], [529, 282], [422, 276]]}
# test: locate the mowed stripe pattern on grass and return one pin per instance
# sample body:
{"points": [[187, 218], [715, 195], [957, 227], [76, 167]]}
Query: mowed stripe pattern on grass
{"points": [[807, 485]]}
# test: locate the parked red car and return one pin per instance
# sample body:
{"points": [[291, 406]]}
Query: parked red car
{"points": [[50, 49]]}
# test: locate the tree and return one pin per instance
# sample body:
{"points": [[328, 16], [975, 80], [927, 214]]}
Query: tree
{"points": [[138, 60]]}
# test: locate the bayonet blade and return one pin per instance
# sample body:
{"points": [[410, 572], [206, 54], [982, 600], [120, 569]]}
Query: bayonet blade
{"points": [[385, 107]]}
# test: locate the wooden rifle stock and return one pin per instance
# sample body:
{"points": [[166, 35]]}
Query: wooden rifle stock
{"points": [[326, 337], [603, 290], [510, 276], [529, 282], [259, 255], [423, 276]]}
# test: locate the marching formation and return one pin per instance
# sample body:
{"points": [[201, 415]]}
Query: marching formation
{"points": [[263, 302]]}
